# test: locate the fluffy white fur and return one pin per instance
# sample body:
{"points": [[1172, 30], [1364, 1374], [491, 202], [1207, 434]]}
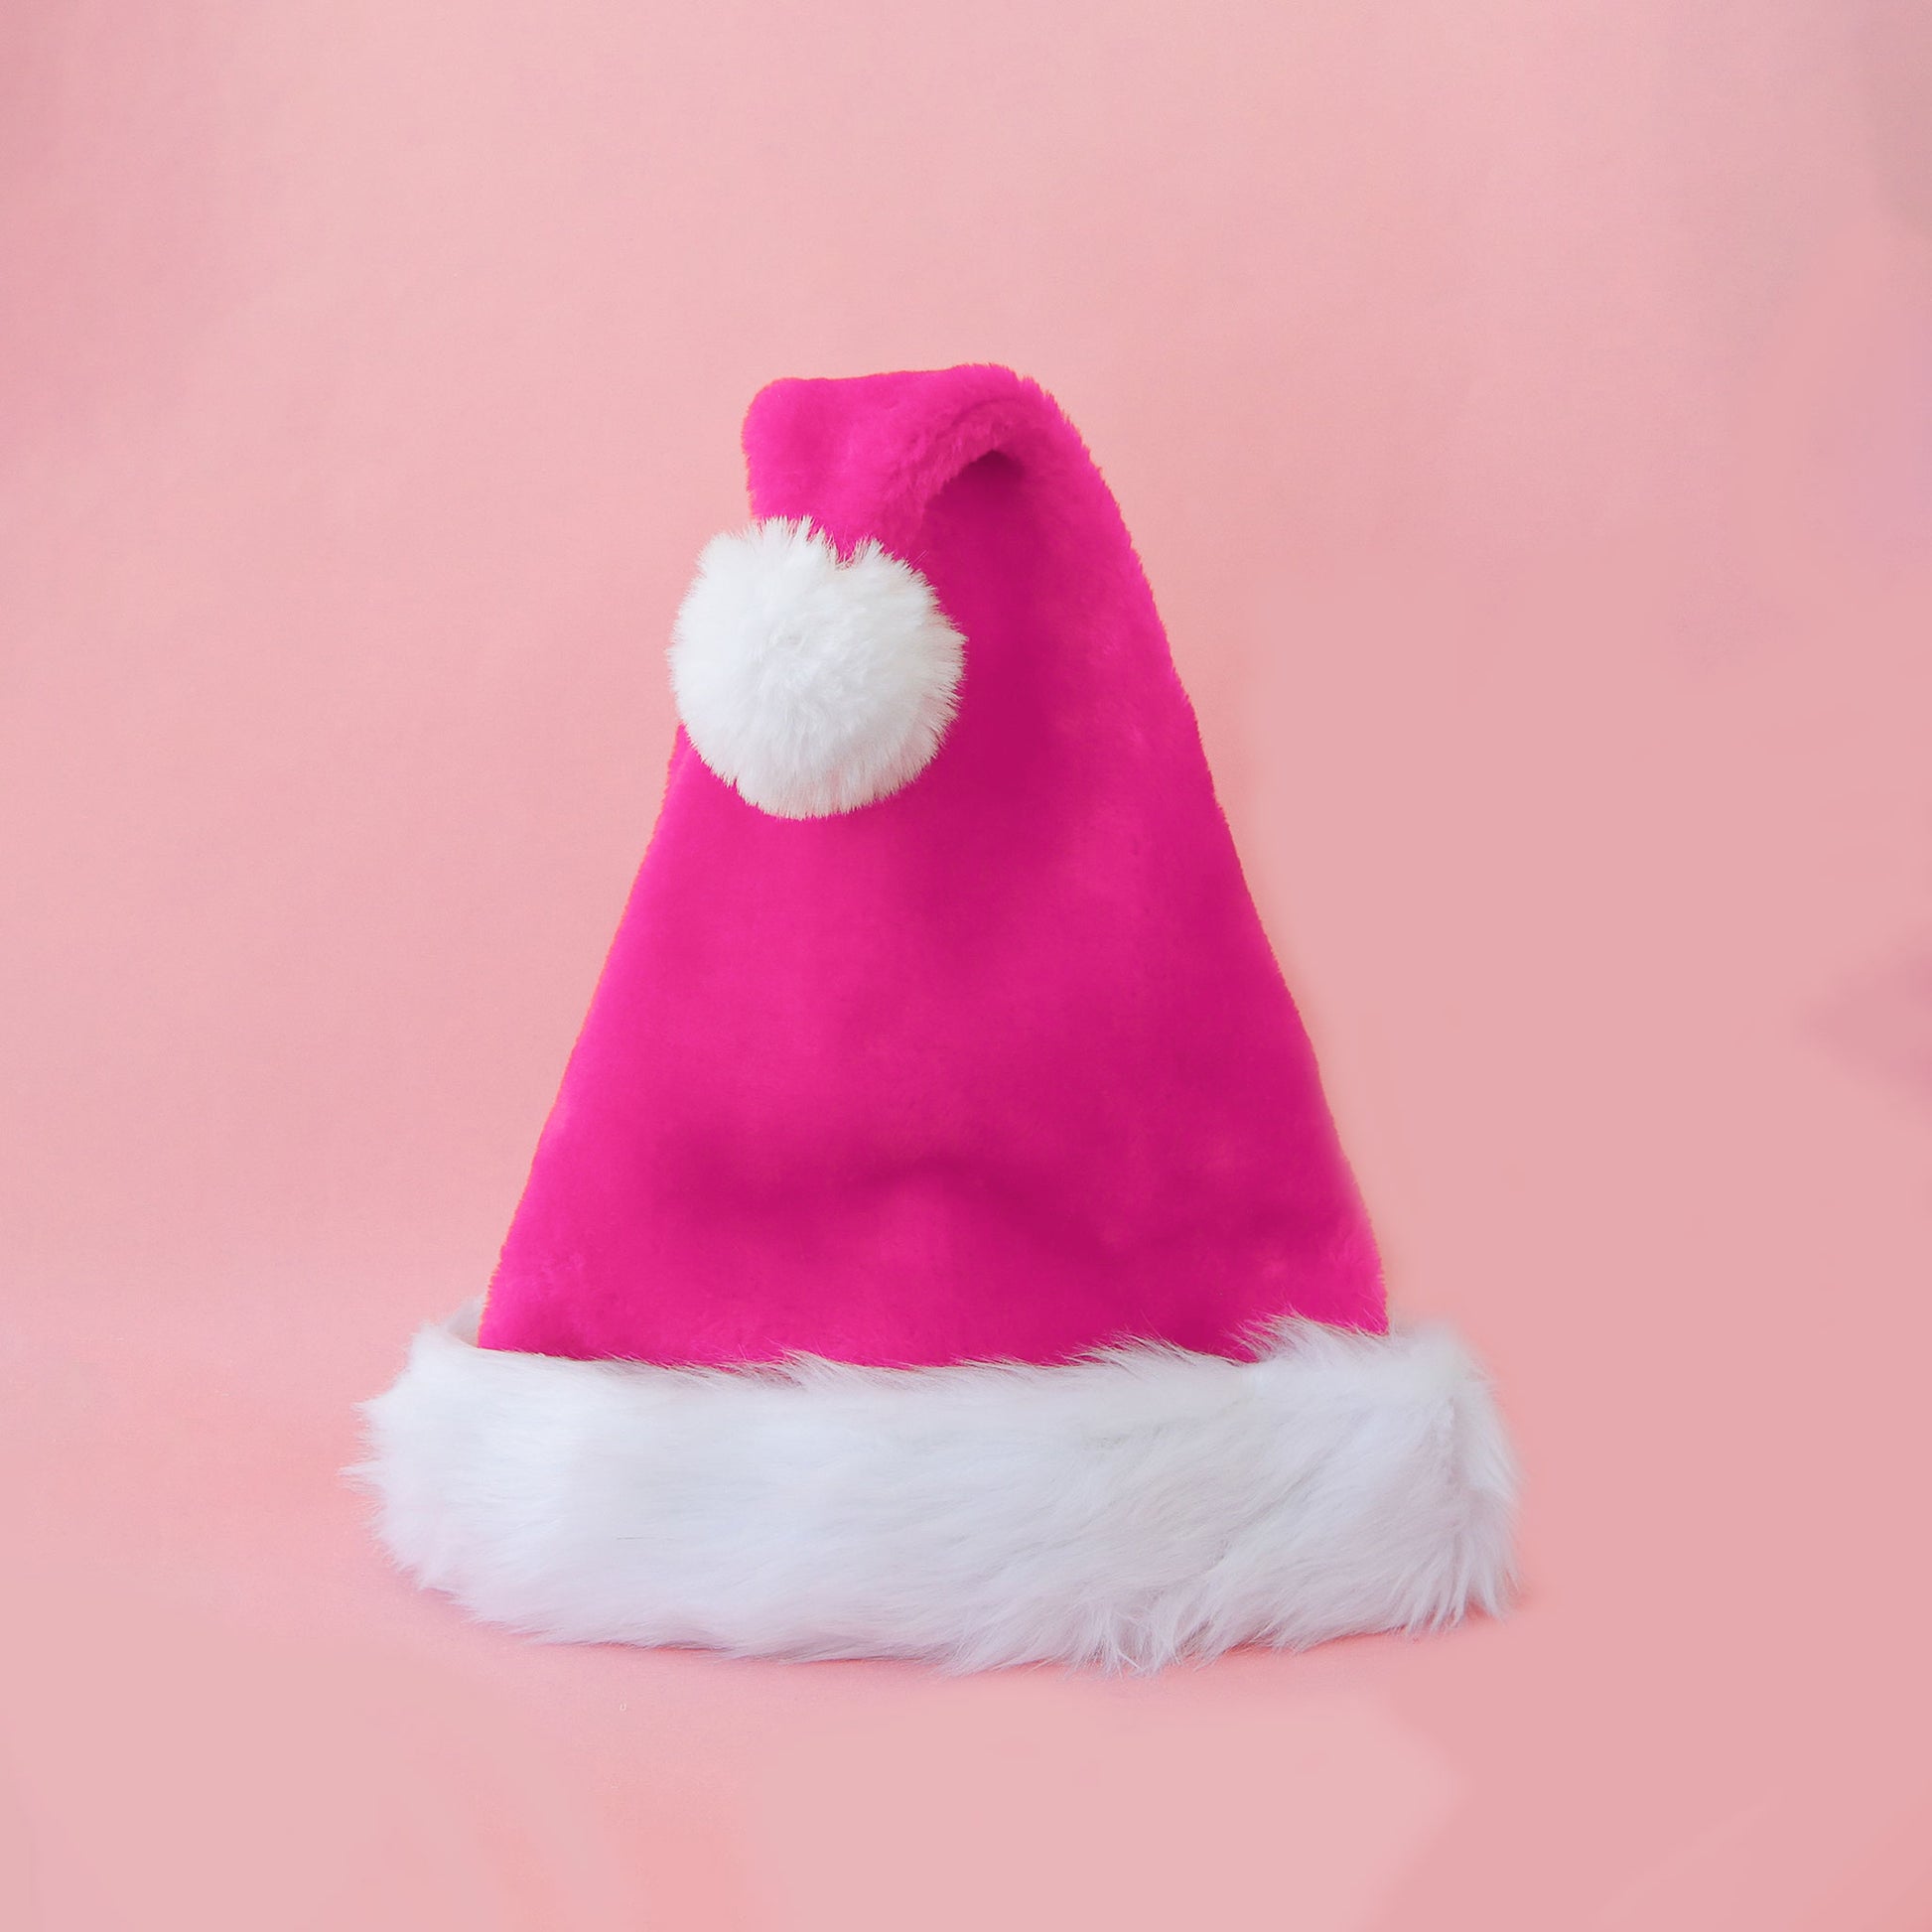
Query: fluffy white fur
{"points": [[1126, 1510], [813, 683]]}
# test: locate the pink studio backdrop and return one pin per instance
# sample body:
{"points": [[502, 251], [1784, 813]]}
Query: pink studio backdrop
{"points": [[1525, 413]]}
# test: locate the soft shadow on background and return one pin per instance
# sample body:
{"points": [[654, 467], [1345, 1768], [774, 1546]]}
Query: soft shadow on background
{"points": [[1524, 414]]}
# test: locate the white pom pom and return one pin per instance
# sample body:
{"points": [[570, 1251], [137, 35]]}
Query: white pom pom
{"points": [[813, 683]]}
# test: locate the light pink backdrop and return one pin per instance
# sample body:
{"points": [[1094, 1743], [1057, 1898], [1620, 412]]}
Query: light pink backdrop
{"points": [[1525, 410]]}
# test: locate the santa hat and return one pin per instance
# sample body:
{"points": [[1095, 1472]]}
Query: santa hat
{"points": [[939, 1245]]}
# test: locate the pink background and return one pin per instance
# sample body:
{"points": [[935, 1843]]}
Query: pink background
{"points": [[1525, 412]]}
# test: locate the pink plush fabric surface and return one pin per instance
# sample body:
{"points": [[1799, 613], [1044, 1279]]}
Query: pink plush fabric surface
{"points": [[1001, 1066]]}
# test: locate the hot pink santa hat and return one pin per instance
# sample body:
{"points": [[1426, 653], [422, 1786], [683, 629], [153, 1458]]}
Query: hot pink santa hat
{"points": [[939, 1245]]}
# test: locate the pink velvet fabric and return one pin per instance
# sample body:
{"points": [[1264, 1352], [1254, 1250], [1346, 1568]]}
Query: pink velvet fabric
{"points": [[1001, 1066]]}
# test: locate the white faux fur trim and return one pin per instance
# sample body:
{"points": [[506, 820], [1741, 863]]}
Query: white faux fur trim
{"points": [[1125, 1510], [815, 683]]}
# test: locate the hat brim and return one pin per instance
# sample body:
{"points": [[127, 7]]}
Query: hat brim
{"points": [[1127, 1509]]}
